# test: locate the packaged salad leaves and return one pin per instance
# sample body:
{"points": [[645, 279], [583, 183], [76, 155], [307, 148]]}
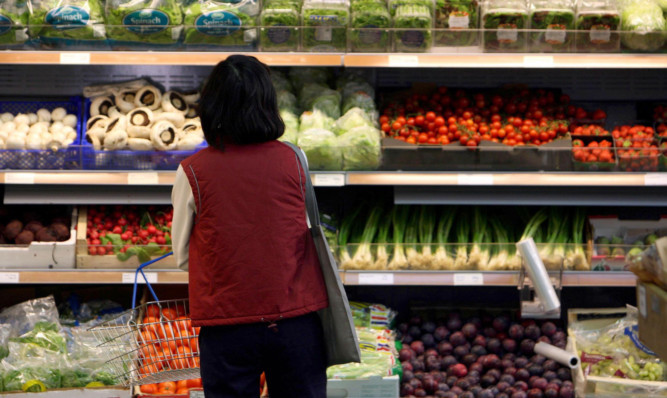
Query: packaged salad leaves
{"points": [[325, 25], [141, 22], [58, 23], [419, 20], [394, 4], [456, 23], [643, 25], [370, 18], [218, 24], [13, 23], [280, 20], [551, 25], [597, 26], [504, 23]]}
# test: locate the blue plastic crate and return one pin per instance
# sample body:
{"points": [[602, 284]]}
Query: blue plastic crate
{"points": [[33, 159], [128, 159]]}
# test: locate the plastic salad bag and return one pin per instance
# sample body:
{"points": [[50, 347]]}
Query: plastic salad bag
{"points": [[63, 23], [13, 23], [280, 20], [315, 120], [23, 317], [369, 24], [355, 117], [503, 22], [643, 25], [324, 25], [597, 26], [221, 24], [155, 22], [361, 148], [457, 22], [321, 148]]}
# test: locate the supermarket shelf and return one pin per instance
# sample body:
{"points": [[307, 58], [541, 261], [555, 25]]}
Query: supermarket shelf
{"points": [[370, 278], [451, 60], [160, 58], [354, 178]]}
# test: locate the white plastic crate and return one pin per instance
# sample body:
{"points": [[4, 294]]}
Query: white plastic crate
{"points": [[57, 255], [373, 387]]}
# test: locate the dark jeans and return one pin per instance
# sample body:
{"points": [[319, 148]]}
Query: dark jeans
{"points": [[292, 355]]}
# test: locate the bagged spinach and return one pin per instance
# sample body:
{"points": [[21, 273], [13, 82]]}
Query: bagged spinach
{"points": [[280, 20], [144, 21], [325, 25], [13, 22], [554, 20], [370, 18], [413, 23], [504, 23], [458, 20], [597, 26], [224, 24], [68, 22]]}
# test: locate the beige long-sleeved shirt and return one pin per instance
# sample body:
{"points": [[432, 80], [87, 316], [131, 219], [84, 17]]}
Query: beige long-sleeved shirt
{"points": [[183, 220]]}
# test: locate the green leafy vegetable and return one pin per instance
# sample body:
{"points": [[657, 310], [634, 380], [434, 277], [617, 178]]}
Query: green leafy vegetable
{"points": [[324, 26], [555, 20], [355, 117], [643, 24], [13, 22], [322, 149], [370, 19], [315, 120], [418, 19], [213, 23], [45, 335], [502, 21], [597, 27], [66, 21], [144, 21], [16, 379], [456, 15], [361, 148], [291, 126], [279, 20]]}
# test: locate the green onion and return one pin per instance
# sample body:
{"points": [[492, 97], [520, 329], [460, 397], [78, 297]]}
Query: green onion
{"points": [[344, 238], [426, 229], [382, 257], [462, 236], [363, 258], [442, 260], [400, 216]]}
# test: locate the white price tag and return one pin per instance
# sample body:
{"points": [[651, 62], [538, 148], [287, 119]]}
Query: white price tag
{"points": [[19, 178], [128, 277], [329, 180], [642, 300], [75, 58], [196, 394], [142, 178], [555, 35], [538, 61], [376, 278], [469, 279], [403, 60], [9, 277], [651, 179], [475, 179]]}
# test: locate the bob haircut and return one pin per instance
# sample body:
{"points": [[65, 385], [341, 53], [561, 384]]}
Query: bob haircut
{"points": [[238, 104]]}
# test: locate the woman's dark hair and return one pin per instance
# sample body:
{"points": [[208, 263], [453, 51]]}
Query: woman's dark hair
{"points": [[238, 102]]}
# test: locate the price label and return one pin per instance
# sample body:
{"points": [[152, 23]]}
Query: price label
{"points": [[469, 279], [642, 301], [651, 179], [376, 279], [196, 394], [75, 58], [538, 61], [475, 179], [142, 178], [329, 180], [403, 60], [128, 277], [9, 277], [19, 178]]}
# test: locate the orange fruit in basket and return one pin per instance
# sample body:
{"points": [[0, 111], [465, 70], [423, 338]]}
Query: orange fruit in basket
{"points": [[181, 384], [194, 344], [149, 369], [180, 310], [182, 391], [148, 388], [168, 387], [194, 383], [147, 338], [163, 359], [169, 346], [153, 310], [148, 351], [183, 323], [196, 330], [165, 331], [151, 324], [169, 313], [183, 358], [183, 338]]}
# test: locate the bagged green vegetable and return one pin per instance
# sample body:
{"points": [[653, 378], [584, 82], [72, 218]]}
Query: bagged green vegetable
{"points": [[554, 20], [360, 100], [221, 24], [322, 149], [291, 126], [5, 331], [372, 364], [361, 148], [302, 76], [13, 23], [315, 120], [280, 81], [368, 28], [143, 21], [394, 4], [68, 22], [350, 84], [287, 101], [23, 317], [643, 25], [503, 22], [31, 379], [419, 20], [46, 335], [458, 20], [324, 25], [316, 96], [597, 26], [355, 117], [280, 20]]}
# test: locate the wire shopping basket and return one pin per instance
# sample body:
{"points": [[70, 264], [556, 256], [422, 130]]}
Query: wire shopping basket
{"points": [[153, 342]]}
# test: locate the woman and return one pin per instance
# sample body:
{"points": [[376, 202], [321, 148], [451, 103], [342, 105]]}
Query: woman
{"points": [[240, 230]]}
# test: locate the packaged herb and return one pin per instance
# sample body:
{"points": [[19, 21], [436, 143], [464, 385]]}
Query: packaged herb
{"points": [[551, 25], [279, 21], [456, 22], [419, 20], [370, 21], [504, 23], [66, 23], [220, 24], [597, 25], [393, 4], [325, 25], [144, 21], [13, 23]]}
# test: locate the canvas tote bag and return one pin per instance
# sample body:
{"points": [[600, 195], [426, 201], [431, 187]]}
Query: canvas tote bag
{"points": [[340, 336]]}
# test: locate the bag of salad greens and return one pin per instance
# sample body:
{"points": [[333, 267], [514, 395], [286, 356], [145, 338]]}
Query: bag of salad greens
{"points": [[66, 22], [13, 22], [221, 24], [144, 21]]}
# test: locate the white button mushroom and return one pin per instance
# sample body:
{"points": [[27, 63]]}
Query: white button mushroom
{"points": [[16, 141], [22, 128], [9, 127], [56, 126], [6, 117], [70, 120], [38, 128], [33, 118], [115, 140], [58, 114], [21, 119], [33, 142], [44, 115], [69, 132]]}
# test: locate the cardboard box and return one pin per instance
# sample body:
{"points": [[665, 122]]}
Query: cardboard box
{"points": [[652, 303], [102, 392], [373, 387]]}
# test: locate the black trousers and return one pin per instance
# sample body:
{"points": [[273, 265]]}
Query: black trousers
{"points": [[291, 353]]}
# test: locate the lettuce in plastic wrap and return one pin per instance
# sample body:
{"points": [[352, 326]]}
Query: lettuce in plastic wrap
{"points": [[318, 96], [221, 23], [360, 100], [280, 81], [315, 120], [46, 335], [321, 148], [287, 101], [28, 378], [13, 22], [291, 126], [302, 76], [144, 21], [361, 148], [355, 117], [69, 20], [643, 24]]}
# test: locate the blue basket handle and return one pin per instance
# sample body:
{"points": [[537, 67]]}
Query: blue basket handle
{"points": [[140, 270]]}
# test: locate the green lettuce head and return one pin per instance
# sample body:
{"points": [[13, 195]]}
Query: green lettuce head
{"points": [[644, 25], [13, 22], [212, 23], [31, 377], [291, 126], [355, 117], [70, 20], [144, 21], [315, 120], [361, 148], [322, 149], [287, 101], [317, 96]]}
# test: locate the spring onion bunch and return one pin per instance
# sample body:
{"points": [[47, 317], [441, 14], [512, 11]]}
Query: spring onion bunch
{"points": [[344, 238], [576, 257], [462, 235], [381, 255], [555, 228], [426, 228], [411, 252], [501, 257], [442, 259], [479, 253], [532, 230], [399, 217], [363, 257]]}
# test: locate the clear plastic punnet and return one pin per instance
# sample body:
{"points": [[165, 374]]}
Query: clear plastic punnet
{"points": [[325, 25], [643, 25], [369, 26], [280, 20], [597, 23], [504, 23], [551, 25], [13, 23], [413, 23], [456, 23]]}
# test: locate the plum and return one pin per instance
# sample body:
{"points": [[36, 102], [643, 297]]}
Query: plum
{"points": [[522, 374], [419, 375], [478, 350], [479, 340], [454, 324], [415, 383], [440, 333], [417, 365], [407, 339], [509, 345], [495, 373], [550, 375], [458, 370], [448, 361], [568, 383], [407, 375], [475, 389], [431, 352], [406, 354], [463, 383], [456, 390], [538, 359], [469, 331], [553, 386], [451, 380], [476, 367], [549, 328], [494, 345], [491, 361], [527, 346], [510, 391], [521, 362], [550, 393], [432, 363], [560, 344], [443, 387], [430, 385], [544, 339], [428, 340], [536, 370], [469, 359], [457, 339], [566, 392], [509, 356], [449, 394], [438, 375], [519, 394], [461, 351], [503, 385], [486, 394], [445, 348], [418, 347], [501, 323], [564, 374], [559, 336], [516, 332], [506, 363], [502, 395], [532, 332], [487, 381], [428, 327], [509, 379], [407, 366], [489, 332], [557, 382], [467, 394], [407, 389], [535, 393], [415, 332], [510, 371], [420, 392], [521, 385], [540, 383]]}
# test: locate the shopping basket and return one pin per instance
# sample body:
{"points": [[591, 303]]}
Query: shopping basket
{"points": [[153, 342]]}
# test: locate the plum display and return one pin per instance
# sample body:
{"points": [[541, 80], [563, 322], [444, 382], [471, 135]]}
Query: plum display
{"points": [[481, 357]]}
